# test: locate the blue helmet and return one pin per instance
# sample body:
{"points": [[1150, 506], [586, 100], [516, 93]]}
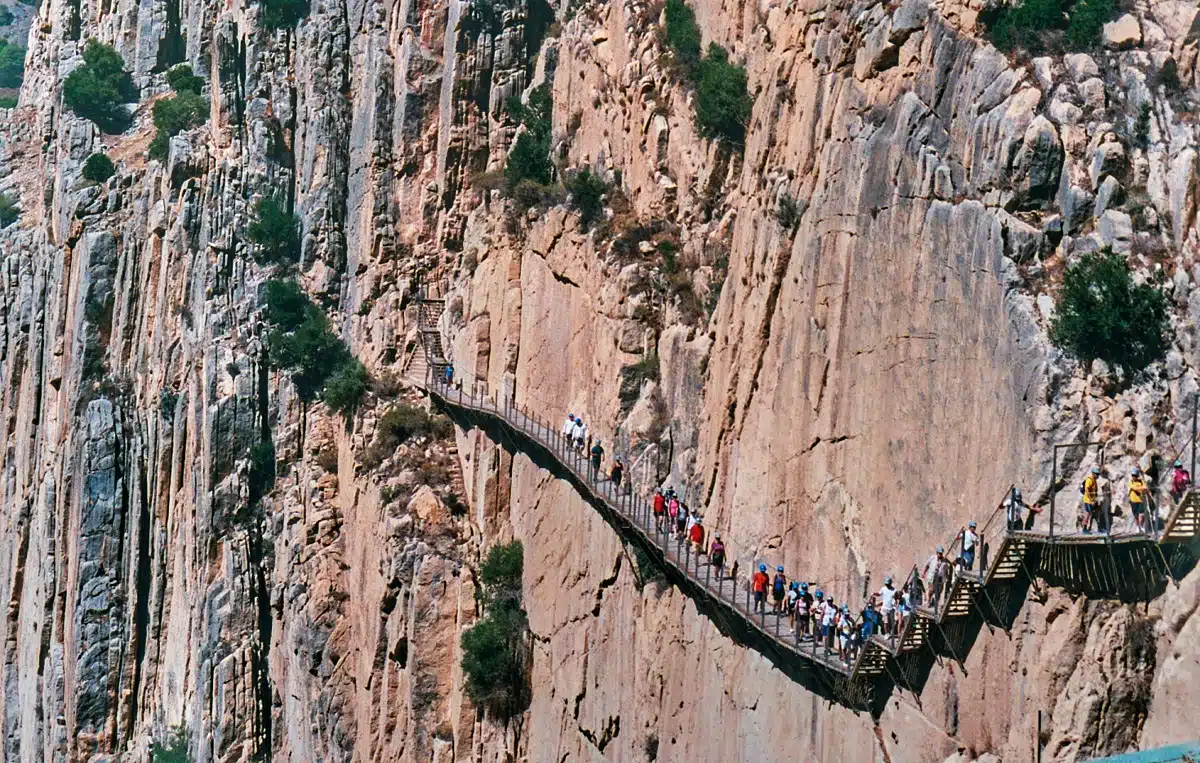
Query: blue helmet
{"points": [[762, 568], [804, 586], [820, 594], [779, 568]]}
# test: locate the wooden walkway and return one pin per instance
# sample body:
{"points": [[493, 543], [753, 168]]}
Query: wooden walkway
{"points": [[993, 595]]}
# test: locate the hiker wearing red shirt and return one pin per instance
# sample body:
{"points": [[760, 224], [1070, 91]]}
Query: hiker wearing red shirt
{"points": [[759, 585], [696, 535], [660, 509], [1181, 480]]}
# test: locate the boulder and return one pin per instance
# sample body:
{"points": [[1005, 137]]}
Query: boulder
{"points": [[909, 18], [1081, 66], [1109, 159], [1124, 33], [1116, 231], [1077, 209], [1092, 92], [1111, 194], [1038, 163]]}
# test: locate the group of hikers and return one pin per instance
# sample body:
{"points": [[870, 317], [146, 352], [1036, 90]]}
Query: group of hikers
{"points": [[1096, 507], [812, 615]]}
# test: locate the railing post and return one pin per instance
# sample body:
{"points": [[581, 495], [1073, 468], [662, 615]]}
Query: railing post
{"points": [[1053, 487]]}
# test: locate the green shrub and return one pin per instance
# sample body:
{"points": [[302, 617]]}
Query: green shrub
{"points": [[287, 304], [646, 369], [788, 212], [182, 79], [587, 191], [6, 16], [1026, 25], [344, 389], [530, 155], [173, 115], [98, 168], [9, 211], [278, 14], [1087, 20], [175, 750], [722, 103], [97, 89], [1101, 313], [303, 343], [501, 573], [8, 101], [12, 64], [528, 160], [275, 231], [683, 35], [496, 649]]}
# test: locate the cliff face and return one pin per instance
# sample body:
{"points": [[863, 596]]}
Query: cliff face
{"points": [[836, 395]]}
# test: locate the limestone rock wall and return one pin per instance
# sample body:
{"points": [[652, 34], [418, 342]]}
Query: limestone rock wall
{"points": [[833, 395]]}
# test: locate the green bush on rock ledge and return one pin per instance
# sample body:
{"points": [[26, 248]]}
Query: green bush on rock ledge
{"points": [[303, 343], [98, 88], [1102, 313], [275, 232], [496, 650], [98, 168]]}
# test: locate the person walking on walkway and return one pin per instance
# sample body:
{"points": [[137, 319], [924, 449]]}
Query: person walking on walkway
{"points": [[579, 434], [672, 509], [759, 585], [845, 635], [936, 573], [827, 619], [887, 600], [568, 428], [1181, 480], [716, 555], [966, 559], [449, 374], [1091, 499], [1137, 498], [778, 590], [696, 535], [803, 611], [681, 519], [660, 509], [818, 613], [1014, 505], [597, 455], [614, 474]]}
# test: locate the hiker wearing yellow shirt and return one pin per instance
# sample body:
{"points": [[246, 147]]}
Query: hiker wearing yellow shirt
{"points": [[1137, 498], [1091, 498]]}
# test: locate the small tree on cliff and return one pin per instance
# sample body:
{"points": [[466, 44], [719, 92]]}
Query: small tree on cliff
{"points": [[97, 89], [1102, 313], [496, 649]]}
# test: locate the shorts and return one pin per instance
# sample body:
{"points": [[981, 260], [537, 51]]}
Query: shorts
{"points": [[1138, 508], [777, 595], [760, 595]]}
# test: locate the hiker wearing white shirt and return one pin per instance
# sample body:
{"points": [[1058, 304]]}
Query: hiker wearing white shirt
{"points": [[970, 540], [579, 434], [568, 426], [887, 601]]}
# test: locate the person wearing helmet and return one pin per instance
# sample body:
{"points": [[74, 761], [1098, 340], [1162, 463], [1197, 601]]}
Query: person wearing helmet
{"points": [[827, 623], [1137, 498], [804, 601], [1181, 480], [966, 558], [568, 426], [716, 555], [887, 602], [936, 574], [1013, 506], [778, 590], [759, 585], [696, 534], [845, 634], [616, 472], [1090, 506]]}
